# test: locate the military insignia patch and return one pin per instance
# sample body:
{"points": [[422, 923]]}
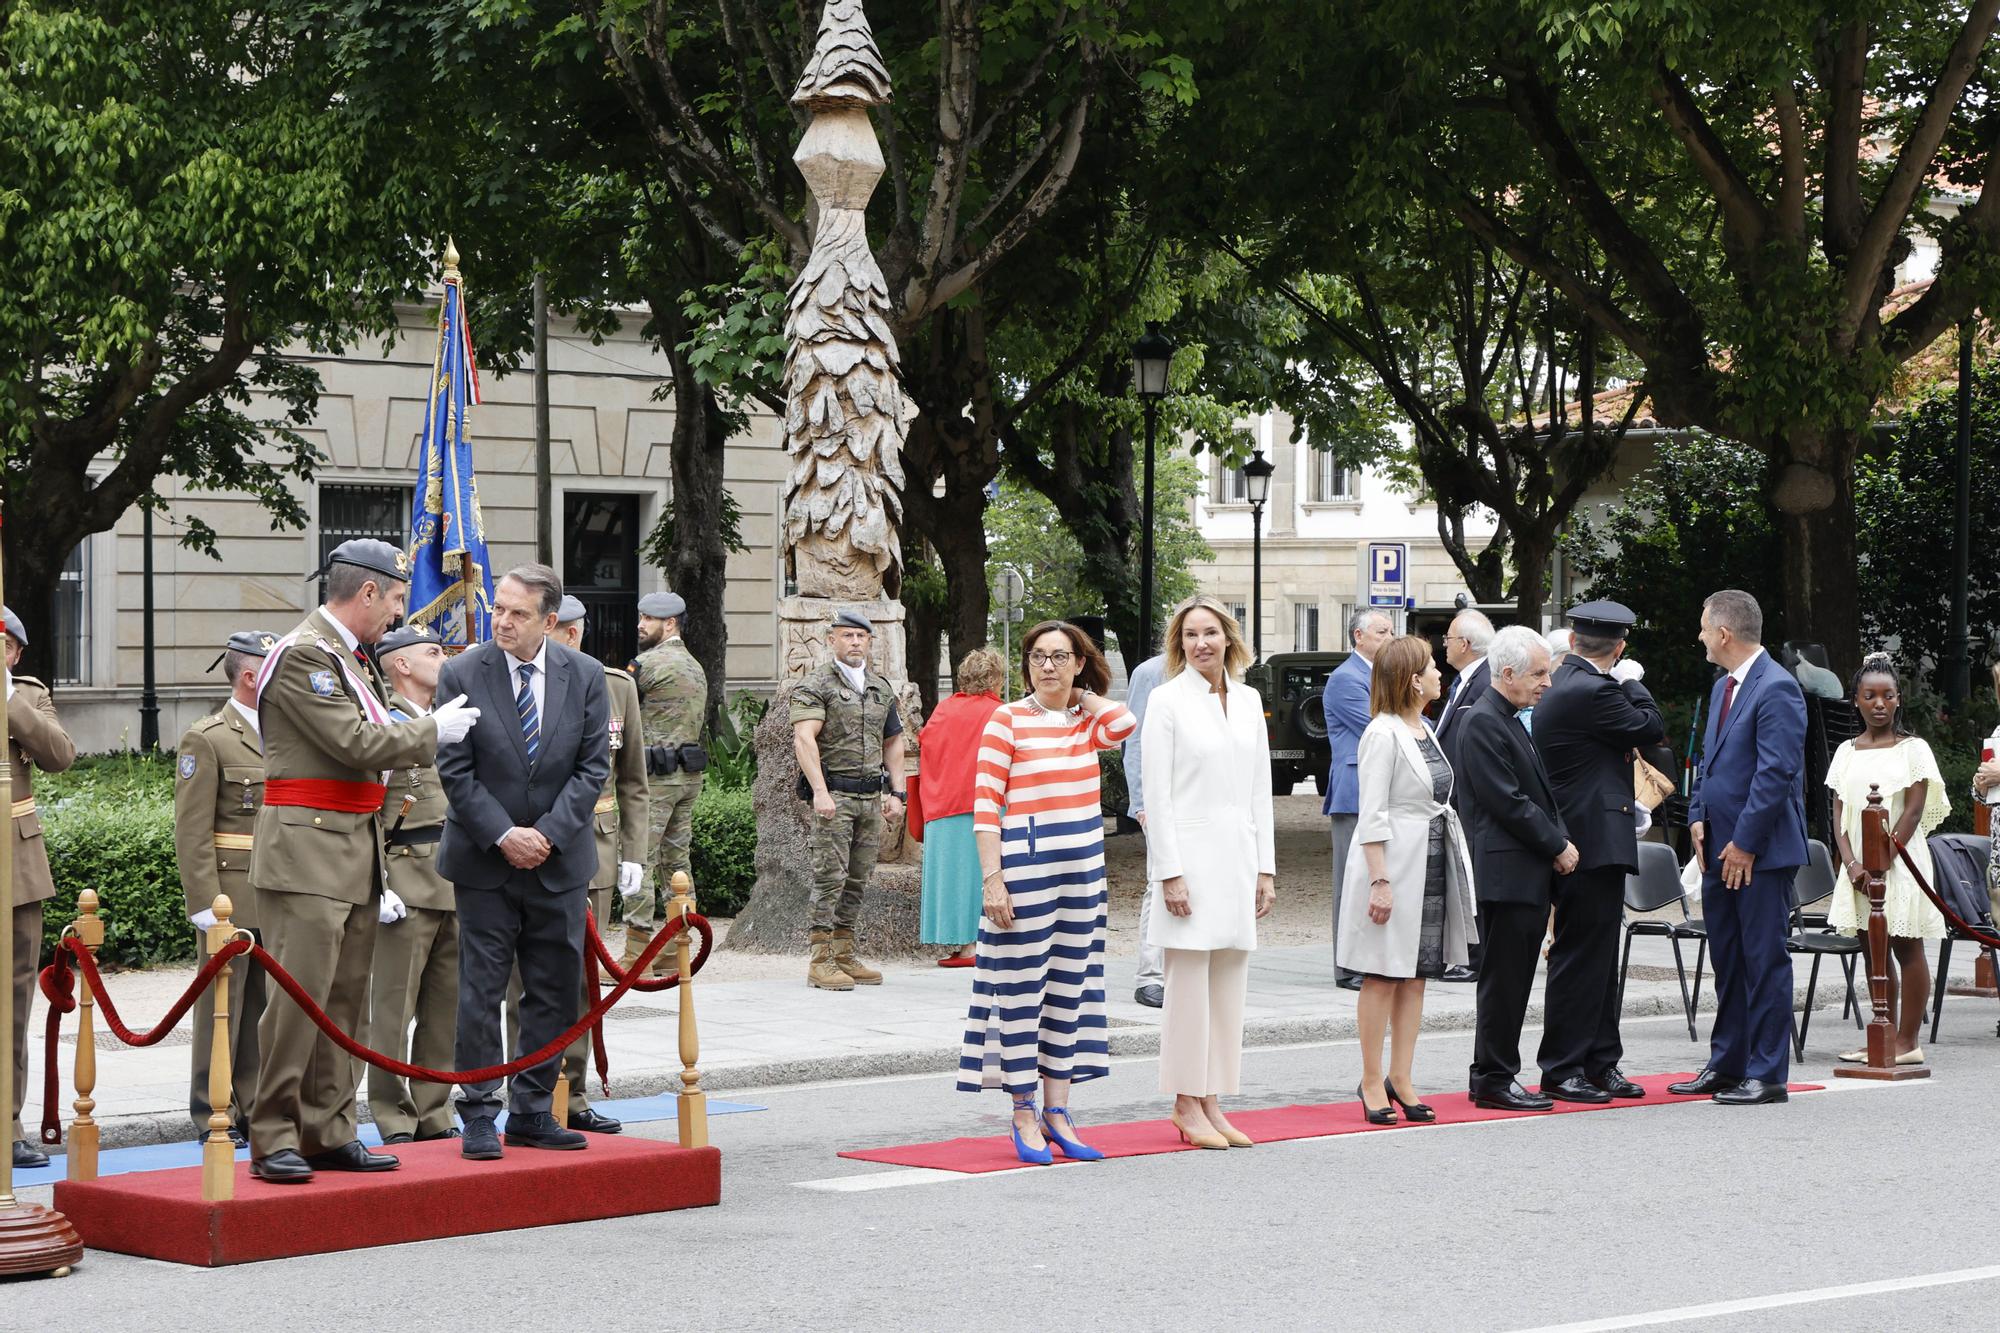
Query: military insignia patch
{"points": [[322, 683], [187, 766], [617, 726]]}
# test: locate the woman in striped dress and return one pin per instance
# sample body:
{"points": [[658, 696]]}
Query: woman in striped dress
{"points": [[1038, 988]]}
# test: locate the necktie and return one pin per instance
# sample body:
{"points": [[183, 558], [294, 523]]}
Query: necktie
{"points": [[531, 719], [1728, 694]]}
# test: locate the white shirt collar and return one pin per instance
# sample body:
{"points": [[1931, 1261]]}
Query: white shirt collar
{"points": [[347, 635], [856, 677], [540, 661], [249, 715], [1742, 672]]}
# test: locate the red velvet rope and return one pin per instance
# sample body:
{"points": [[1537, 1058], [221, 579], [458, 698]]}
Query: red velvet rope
{"points": [[1964, 926], [70, 953]]}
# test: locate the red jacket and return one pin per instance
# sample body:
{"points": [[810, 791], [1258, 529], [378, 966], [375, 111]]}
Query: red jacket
{"points": [[948, 757]]}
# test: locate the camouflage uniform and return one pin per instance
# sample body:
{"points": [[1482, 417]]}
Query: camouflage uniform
{"points": [[853, 728], [673, 694]]}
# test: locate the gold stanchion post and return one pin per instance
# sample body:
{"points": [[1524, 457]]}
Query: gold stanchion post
{"points": [[692, 1108], [1877, 852], [559, 1100], [218, 1150], [88, 932]]}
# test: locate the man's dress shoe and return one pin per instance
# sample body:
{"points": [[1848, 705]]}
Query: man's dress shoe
{"points": [[1705, 1084], [1752, 1092], [592, 1121], [27, 1155], [353, 1156], [283, 1167], [1577, 1089], [397, 1140], [1150, 996], [482, 1141], [1349, 982], [1513, 1097], [450, 1132], [1613, 1081], [539, 1129]]}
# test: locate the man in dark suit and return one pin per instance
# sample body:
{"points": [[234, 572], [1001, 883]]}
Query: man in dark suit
{"points": [[1747, 817], [1344, 700], [519, 849], [1465, 645], [1586, 728], [1519, 845]]}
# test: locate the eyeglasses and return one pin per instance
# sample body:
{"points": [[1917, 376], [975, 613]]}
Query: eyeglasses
{"points": [[1050, 659]]}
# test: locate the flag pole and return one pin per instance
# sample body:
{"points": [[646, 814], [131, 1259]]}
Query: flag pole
{"points": [[33, 1239]]}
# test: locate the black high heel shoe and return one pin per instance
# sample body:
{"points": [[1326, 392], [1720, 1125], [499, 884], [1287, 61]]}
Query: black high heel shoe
{"points": [[1416, 1112], [1385, 1116]]}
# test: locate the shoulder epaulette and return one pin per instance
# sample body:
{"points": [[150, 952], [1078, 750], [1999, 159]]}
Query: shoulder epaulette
{"points": [[31, 680], [619, 671]]}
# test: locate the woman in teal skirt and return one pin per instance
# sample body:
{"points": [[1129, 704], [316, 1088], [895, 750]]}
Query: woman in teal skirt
{"points": [[947, 758]]}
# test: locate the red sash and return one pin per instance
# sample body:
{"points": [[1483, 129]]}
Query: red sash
{"points": [[358, 798]]}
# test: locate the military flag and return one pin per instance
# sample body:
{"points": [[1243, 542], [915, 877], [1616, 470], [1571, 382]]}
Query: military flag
{"points": [[451, 578]]}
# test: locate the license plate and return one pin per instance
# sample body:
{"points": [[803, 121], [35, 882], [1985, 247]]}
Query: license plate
{"points": [[1288, 754]]}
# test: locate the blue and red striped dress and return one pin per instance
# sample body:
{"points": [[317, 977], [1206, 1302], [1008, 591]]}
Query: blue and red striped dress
{"points": [[1038, 986]]}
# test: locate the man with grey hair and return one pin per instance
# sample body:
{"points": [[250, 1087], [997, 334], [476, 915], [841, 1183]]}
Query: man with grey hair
{"points": [[1345, 703], [1465, 646]]}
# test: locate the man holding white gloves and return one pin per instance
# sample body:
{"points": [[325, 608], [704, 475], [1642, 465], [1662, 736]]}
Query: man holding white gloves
{"points": [[415, 975]]}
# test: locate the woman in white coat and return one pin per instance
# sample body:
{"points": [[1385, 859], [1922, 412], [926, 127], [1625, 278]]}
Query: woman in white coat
{"points": [[1207, 771], [1406, 906]]}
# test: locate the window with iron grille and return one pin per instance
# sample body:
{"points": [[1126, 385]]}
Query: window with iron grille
{"points": [[350, 511], [1230, 486], [601, 569], [70, 627], [1305, 628], [1330, 480]]}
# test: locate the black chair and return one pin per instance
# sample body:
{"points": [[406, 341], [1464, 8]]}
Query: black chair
{"points": [[1814, 882], [1656, 885], [1958, 873]]}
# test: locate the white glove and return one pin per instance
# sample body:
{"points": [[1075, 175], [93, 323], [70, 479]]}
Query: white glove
{"points": [[392, 908], [10, 685], [1627, 669], [454, 720], [1642, 818], [631, 879], [204, 919]]}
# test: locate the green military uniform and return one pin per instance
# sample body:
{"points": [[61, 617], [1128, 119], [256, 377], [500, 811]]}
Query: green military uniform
{"points": [[673, 695], [218, 789], [853, 727], [416, 959], [35, 740], [318, 873]]}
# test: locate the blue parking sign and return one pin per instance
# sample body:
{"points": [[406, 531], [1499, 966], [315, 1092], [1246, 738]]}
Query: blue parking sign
{"points": [[1388, 570]]}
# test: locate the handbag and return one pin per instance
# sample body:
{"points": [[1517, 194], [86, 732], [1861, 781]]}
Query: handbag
{"points": [[1650, 787]]}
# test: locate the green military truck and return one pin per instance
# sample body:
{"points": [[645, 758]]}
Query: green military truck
{"points": [[1291, 686]]}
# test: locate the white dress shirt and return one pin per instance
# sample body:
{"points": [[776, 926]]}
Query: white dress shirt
{"points": [[540, 681], [1742, 672], [249, 715]]}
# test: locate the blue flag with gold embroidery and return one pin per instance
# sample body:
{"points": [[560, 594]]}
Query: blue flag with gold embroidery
{"points": [[451, 578]]}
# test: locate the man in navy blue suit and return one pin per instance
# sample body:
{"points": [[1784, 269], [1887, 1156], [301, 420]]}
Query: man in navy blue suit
{"points": [[1345, 700], [1748, 819]]}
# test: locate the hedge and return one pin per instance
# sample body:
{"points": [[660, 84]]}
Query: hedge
{"points": [[109, 825]]}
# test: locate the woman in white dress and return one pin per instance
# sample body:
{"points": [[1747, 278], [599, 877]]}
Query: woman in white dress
{"points": [[1888, 757], [1209, 860]]}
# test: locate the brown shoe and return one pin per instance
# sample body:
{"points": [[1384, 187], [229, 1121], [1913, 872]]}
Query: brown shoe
{"points": [[823, 972], [844, 959], [636, 940]]}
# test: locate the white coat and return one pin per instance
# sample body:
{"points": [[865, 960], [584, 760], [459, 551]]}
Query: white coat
{"points": [[1207, 777], [1397, 808]]}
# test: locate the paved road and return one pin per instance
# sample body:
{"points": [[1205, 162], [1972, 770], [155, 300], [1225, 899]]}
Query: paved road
{"points": [[1632, 1218]]}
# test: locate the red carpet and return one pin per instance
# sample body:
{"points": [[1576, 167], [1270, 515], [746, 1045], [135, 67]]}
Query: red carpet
{"points": [[1141, 1138], [161, 1214]]}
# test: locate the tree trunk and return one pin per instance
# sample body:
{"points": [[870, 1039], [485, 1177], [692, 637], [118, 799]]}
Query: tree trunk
{"points": [[35, 556], [698, 563], [1819, 554], [1532, 550], [924, 620], [954, 526]]}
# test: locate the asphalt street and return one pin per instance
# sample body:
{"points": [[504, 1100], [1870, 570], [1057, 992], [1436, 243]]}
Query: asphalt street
{"points": [[1687, 1216]]}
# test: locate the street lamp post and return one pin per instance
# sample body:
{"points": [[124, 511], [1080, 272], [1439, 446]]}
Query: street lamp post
{"points": [[1958, 656], [149, 694], [1257, 485], [1152, 354]]}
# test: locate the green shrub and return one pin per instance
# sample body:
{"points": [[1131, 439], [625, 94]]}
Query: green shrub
{"points": [[725, 850], [1113, 796], [121, 845]]}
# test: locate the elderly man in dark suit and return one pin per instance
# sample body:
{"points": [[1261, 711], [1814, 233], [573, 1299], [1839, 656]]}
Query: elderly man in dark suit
{"points": [[1519, 845], [1587, 728], [519, 849], [1465, 643]]}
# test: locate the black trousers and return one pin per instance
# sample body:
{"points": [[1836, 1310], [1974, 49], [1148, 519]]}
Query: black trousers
{"points": [[1580, 1032], [1513, 936], [520, 923]]}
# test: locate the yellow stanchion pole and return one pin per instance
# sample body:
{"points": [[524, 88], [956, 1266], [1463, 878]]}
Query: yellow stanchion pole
{"points": [[692, 1107], [218, 1150], [559, 1100], [88, 932]]}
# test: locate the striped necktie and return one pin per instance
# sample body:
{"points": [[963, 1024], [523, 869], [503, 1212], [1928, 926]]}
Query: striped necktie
{"points": [[531, 718]]}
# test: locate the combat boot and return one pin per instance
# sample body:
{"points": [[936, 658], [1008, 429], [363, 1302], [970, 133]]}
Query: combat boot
{"points": [[844, 959], [823, 972], [636, 940]]}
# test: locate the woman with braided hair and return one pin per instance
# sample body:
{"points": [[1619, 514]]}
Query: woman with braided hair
{"points": [[1888, 757]]}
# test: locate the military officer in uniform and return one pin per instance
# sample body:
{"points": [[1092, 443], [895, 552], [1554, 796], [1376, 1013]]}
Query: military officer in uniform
{"points": [[318, 860], [619, 820], [849, 741], [35, 740], [218, 789], [415, 972], [673, 695]]}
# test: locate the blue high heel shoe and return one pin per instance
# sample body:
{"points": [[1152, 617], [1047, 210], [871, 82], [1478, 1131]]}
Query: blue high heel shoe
{"points": [[1071, 1148], [1032, 1156]]}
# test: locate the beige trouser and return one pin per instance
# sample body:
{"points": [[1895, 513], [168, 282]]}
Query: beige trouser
{"points": [[306, 1084], [247, 995], [415, 979], [1201, 1024], [27, 962]]}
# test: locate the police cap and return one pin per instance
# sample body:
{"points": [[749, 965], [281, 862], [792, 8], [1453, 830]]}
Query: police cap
{"points": [[852, 619], [404, 636], [662, 605], [1603, 619], [570, 611], [249, 642]]}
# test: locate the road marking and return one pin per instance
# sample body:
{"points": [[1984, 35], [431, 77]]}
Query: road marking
{"points": [[1720, 1309]]}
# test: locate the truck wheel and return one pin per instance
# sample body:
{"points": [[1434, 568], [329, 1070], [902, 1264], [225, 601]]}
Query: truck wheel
{"points": [[1312, 717]]}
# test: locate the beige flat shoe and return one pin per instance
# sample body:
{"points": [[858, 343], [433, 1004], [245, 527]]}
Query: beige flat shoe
{"points": [[1855, 1057], [1915, 1057]]}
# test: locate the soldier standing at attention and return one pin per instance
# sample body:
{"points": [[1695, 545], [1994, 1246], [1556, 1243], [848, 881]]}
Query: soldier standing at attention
{"points": [[415, 973], [318, 860], [673, 695], [35, 738], [218, 789], [849, 742]]}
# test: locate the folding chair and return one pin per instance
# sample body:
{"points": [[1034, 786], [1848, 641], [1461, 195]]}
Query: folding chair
{"points": [[1958, 863], [1656, 885], [1814, 882]]}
